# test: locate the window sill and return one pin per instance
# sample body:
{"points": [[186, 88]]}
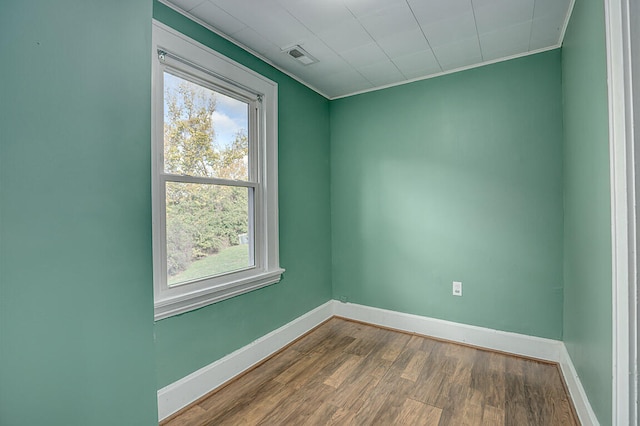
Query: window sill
{"points": [[176, 305]]}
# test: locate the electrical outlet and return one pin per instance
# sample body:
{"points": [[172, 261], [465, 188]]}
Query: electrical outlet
{"points": [[457, 288]]}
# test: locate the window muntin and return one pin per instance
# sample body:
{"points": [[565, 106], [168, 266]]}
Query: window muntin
{"points": [[214, 165]]}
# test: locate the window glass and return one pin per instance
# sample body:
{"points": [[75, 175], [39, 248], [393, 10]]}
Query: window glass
{"points": [[207, 229], [205, 132]]}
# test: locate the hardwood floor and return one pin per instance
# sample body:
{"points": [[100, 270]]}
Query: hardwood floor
{"points": [[348, 373]]}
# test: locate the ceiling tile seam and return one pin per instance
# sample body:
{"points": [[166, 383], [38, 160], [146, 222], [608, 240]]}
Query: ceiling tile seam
{"points": [[329, 47], [358, 71], [377, 44], [308, 29], [196, 5], [533, 14], [475, 23], [243, 47], [452, 71], [372, 38], [250, 26], [424, 35], [369, 34], [566, 22]]}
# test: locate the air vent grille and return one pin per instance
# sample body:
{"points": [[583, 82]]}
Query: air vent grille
{"points": [[300, 55], [296, 53]]}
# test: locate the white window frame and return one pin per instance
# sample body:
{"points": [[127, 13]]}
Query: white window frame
{"points": [[171, 49]]}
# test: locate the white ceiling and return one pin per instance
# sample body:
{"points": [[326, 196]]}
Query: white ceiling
{"points": [[362, 45]]}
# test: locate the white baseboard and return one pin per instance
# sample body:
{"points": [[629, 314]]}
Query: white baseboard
{"points": [[578, 395], [197, 384], [183, 392], [514, 343], [519, 344]]}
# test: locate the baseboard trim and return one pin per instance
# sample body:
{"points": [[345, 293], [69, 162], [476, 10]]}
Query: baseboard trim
{"points": [[580, 401], [503, 341], [185, 391], [189, 389]]}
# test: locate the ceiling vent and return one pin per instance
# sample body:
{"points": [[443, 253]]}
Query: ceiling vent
{"points": [[300, 55]]}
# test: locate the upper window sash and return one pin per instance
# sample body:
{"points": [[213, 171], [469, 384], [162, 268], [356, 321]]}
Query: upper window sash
{"points": [[214, 83]]}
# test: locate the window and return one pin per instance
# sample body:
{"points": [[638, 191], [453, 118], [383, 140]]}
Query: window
{"points": [[214, 183]]}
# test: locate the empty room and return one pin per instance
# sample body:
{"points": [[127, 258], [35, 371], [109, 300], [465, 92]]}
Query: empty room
{"points": [[318, 212]]}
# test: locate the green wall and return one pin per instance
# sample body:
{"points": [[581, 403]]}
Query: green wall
{"points": [[455, 178], [190, 341], [587, 234], [76, 306]]}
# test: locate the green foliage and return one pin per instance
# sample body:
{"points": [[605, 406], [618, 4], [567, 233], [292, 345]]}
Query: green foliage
{"points": [[202, 219], [179, 246], [188, 131]]}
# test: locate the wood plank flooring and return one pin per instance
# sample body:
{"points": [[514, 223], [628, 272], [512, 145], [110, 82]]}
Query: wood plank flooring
{"points": [[348, 373]]}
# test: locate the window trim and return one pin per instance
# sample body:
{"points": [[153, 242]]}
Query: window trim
{"points": [[203, 61]]}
